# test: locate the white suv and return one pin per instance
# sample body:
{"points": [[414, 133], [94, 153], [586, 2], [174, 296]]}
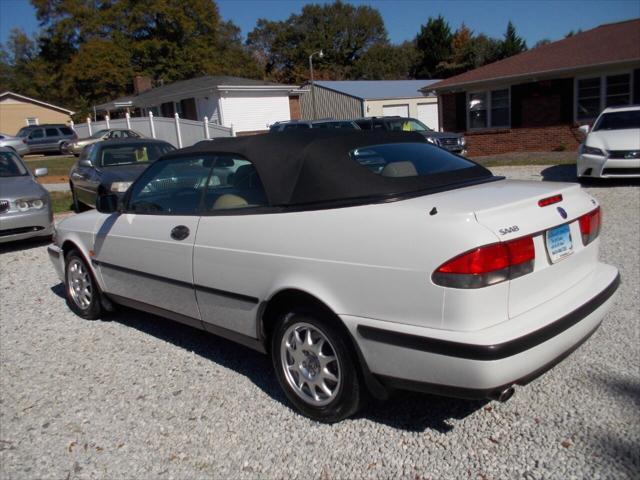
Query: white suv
{"points": [[612, 147]]}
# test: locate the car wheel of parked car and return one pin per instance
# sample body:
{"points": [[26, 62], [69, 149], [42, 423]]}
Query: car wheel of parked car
{"points": [[315, 367], [82, 292], [64, 148]]}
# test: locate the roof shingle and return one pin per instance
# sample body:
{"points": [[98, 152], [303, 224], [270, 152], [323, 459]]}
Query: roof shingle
{"points": [[607, 44]]}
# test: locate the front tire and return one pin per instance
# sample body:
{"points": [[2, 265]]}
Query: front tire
{"points": [[315, 367], [81, 289]]}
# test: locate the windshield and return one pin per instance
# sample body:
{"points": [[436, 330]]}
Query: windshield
{"points": [[408, 160], [24, 131], [99, 134], [407, 125], [11, 166], [132, 153], [618, 121]]}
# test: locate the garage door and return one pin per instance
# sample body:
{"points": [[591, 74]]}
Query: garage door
{"points": [[393, 110], [428, 114]]}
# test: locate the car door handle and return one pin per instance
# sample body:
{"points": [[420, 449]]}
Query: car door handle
{"points": [[77, 175], [180, 232]]}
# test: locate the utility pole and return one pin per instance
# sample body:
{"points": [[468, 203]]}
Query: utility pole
{"points": [[313, 91]]}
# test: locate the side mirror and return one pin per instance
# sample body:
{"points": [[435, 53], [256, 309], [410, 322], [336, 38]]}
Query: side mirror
{"points": [[107, 203], [584, 129], [41, 172], [85, 162]]}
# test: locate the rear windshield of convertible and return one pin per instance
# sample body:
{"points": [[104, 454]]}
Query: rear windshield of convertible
{"points": [[408, 160]]}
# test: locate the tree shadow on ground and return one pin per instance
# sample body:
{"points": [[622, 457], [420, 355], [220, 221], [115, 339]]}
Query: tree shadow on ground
{"points": [[567, 173], [404, 410]]}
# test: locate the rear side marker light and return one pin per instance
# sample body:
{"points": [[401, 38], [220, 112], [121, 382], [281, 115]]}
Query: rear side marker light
{"points": [[549, 200], [590, 224], [488, 265]]}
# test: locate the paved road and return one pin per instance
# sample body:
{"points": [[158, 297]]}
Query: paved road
{"points": [[141, 397]]}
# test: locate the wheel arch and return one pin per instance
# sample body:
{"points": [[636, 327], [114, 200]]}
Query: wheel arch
{"points": [[288, 298]]}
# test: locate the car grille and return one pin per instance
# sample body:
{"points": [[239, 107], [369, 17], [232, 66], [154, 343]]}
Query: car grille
{"points": [[628, 154], [4, 205], [18, 231], [448, 142], [621, 171]]}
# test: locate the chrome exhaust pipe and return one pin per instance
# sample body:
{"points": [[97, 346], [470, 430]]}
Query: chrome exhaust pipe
{"points": [[503, 395]]}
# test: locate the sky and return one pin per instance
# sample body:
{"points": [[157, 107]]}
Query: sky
{"points": [[534, 19]]}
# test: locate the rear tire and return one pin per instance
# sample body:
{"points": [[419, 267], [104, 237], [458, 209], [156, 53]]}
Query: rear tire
{"points": [[315, 366], [81, 290]]}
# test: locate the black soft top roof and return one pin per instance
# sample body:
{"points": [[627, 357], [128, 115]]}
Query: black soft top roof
{"points": [[311, 166]]}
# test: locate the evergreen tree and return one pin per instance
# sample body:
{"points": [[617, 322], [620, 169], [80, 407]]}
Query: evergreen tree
{"points": [[434, 47], [512, 43]]}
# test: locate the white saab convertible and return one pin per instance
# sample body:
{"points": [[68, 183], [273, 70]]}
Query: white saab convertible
{"points": [[360, 261]]}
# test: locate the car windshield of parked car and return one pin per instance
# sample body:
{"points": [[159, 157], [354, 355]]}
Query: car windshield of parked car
{"points": [[407, 125], [99, 133], [618, 121], [408, 160], [132, 153], [11, 166], [24, 131]]}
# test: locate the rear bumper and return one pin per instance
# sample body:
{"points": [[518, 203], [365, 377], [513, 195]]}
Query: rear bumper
{"points": [[478, 364], [604, 167]]}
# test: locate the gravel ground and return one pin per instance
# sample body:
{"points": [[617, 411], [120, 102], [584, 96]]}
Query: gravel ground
{"points": [[141, 397]]}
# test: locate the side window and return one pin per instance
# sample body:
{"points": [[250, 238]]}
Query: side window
{"points": [[52, 132], [172, 187], [36, 134], [234, 183], [66, 131]]}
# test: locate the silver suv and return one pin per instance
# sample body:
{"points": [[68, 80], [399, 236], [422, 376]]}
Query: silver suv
{"points": [[48, 138]]}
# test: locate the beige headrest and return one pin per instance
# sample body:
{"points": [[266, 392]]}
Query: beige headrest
{"points": [[400, 169], [229, 201]]}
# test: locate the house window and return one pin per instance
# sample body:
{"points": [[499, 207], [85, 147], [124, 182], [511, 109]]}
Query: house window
{"points": [[32, 121], [597, 93], [488, 109], [618, 90]]}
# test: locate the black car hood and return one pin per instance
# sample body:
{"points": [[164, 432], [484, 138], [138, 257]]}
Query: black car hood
{"points": [[123, 173]]}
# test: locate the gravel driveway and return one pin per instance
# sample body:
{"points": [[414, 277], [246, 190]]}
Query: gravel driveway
{"points": [[141, 397]]}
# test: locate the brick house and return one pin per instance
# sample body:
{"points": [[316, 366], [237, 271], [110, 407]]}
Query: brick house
{"points": [[536, 100]]}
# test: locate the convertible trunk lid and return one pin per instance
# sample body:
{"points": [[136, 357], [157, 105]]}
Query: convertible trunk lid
{"points": [[510, 209]]}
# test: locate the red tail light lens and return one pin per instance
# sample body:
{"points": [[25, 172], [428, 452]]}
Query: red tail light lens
{"points": [[488, 265], [590, 226]]}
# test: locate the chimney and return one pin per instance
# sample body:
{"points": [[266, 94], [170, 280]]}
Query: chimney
{"points": [[141, 83]]}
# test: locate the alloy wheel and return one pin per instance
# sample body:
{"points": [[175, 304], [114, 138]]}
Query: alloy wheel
{"points": [[310, 364]]}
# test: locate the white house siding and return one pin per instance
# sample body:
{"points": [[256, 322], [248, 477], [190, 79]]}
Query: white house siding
{"points": [[401, 110], [254, 111], [428, 108]]}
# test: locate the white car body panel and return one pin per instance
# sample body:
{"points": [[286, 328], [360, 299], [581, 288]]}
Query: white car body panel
{"points": [[371, 265]]}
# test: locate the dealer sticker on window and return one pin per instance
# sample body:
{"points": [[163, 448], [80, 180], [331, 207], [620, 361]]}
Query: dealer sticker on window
{"points": [[559, 244]]}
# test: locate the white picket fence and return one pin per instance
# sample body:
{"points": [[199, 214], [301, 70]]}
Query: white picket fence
{"points": [[177, 131]]}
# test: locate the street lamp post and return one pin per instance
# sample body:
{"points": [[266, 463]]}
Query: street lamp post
{"points": [[313, 92]]}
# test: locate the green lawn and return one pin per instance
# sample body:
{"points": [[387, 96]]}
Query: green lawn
{"points": [[61, 201], [58, 165], [527, 158]]}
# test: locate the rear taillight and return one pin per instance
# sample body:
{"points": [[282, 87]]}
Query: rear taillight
{"points": [[590, 226], [488, 265]]}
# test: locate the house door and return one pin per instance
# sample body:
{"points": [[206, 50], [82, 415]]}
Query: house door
{"points": [[428, 114]]}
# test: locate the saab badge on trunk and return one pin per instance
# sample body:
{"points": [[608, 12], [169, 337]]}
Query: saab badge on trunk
{"points": [[562, 212]]}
